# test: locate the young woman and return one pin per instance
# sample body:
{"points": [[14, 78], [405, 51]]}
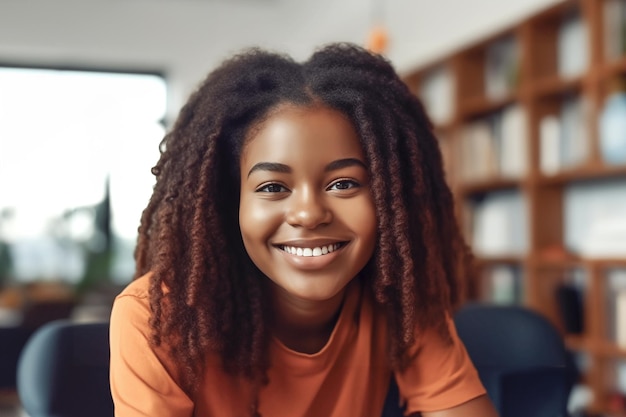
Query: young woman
{"points": [[299, 252]]}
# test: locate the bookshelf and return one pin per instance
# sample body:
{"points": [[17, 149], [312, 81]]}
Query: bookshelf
{"points": [[519, 116]]}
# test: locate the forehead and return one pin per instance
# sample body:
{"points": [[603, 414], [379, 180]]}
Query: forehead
{"points": [[292, 132]]}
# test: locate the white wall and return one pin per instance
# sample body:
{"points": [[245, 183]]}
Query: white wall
{"points": [[186, 38]]}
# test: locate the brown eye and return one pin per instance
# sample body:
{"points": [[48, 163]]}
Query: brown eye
{"points": [[272, 188], [343, 185]]}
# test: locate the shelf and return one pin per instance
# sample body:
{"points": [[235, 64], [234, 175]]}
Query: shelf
{"points": [[555, 85], [599, 348], [489, 185], [578, 343], [496, 260], [479, 106], [546, 262], [606, 262], [583, 174], [613, 68], [445, 128], [611, 350], [550, 102], [574, 261]]}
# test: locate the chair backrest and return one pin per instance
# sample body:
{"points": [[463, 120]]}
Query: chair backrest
{"points": [[520, 357], [12, 341], [63, 371]]}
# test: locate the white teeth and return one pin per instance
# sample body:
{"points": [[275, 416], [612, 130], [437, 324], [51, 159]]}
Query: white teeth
{"points": [[317, 251]]}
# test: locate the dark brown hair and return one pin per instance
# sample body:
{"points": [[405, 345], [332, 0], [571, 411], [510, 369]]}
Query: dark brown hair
{"points": [[189, 235]]}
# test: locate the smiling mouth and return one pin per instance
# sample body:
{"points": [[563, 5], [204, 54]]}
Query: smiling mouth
{"points": [[312, 252]]}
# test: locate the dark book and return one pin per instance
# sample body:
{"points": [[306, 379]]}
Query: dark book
{"points": [[569, 300]]}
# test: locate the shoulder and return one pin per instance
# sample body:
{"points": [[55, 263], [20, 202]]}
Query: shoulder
{"points": [[139, 368], [138, 288], [441, 374], [132, 305]]}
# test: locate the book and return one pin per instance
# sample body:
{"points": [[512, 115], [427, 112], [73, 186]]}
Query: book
{"points": [[614, 14], [594, 221], [500, 224], [574, 116], [573, 46], [501, 67], [513, 157], [437, 94], [550, 145], [569, 300], [620, 318], [616, 306], [479, 158], [502, 284]]}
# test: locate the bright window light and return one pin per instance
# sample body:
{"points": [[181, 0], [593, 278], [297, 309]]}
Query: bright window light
{"points": [[65, 135]]}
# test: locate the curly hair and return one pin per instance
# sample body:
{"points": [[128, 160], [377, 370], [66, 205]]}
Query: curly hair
{"points": [[189, 234]]}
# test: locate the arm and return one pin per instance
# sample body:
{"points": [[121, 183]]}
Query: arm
{"points": [[143, 381], [442, 381], [478, 407]]}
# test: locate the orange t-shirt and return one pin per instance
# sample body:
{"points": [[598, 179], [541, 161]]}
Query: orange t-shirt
{"points": [[348, 377]]}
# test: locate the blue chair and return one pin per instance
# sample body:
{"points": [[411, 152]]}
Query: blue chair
{"points": [[520, 357], [12, 341], [391, 407], [63, 371]]}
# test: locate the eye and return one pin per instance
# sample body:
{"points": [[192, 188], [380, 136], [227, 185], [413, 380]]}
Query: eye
{"points": [[272, 188], [343, 185]]}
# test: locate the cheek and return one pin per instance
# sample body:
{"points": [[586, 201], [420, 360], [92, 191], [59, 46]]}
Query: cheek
{"points": [[363, 221], [256, 220]]}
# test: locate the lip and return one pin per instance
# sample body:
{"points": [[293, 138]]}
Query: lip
{"points": [[311, 262], [309, 243]]}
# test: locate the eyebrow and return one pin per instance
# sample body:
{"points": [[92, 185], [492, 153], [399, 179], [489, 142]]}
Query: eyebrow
{"points": [[270, 166], [344, 163], [286, 169]]}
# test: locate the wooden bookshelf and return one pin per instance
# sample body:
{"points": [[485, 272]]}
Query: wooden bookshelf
{"points": [[547, 92]]}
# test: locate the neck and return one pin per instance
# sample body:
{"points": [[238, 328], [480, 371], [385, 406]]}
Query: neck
{"points": [[304, 325]]}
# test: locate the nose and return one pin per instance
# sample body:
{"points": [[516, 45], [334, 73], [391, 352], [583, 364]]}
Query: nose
{"points": [[307, 209]]}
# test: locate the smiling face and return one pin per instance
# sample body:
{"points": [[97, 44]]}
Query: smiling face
{"points": [[306, 214]]}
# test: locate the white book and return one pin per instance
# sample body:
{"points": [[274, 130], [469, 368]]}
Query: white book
{"points": [[574, 131], [513, 152], [549, 145], [500, 225], [573, 46], [478, 157], [613, 28], [620, 318], [501, 67], [503, 284], [437, 93], [594, 221]]}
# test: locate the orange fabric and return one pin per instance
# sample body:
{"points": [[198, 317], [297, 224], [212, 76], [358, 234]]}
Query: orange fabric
{"points": [[348, 377]]}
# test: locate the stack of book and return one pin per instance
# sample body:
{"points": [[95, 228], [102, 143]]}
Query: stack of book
{"points": [[501, 67], [500, 224], [614, 28], [495, 146], [564, 137]]}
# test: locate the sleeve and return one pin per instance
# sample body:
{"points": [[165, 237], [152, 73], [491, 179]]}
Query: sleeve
{"points": [[441, 375], [141, 384]]}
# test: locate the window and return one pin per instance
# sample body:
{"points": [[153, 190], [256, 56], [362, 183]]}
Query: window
{"points": [[76, 148]]}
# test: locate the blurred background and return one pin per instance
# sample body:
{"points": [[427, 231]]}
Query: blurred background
{"points": [[518, 91]]}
